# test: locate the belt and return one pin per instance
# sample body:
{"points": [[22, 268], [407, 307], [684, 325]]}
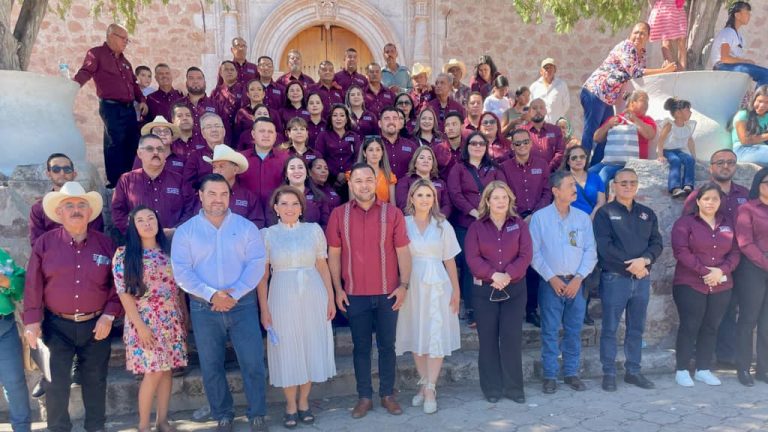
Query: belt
{"points": [[117, 102], [78, 317], [566, 278]]}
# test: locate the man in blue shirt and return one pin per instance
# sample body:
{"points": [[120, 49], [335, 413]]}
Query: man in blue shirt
{"points": [[563, 255], [218, 258], [395, 76]]}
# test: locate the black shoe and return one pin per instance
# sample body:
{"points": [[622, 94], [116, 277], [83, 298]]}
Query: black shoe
{"points": [[39, 389], [549, 386], [588, 320], [639, 380], [609, 383], [745, 378], [492, 399], [761, 376], [517, 399], [533, 318], [575, 383]]}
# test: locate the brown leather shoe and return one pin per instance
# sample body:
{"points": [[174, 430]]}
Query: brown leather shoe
{"points": [[361, 409], [390, 404]]}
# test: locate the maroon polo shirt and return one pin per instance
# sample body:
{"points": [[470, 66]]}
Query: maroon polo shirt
{"points": [[333, 197], [287, 113], [246, 71], [329, 95], [464, 191], [40, 223], [500, 150], [752, 232], [442, 111], [364, 268], [304, 79], [313, 130], [404, 186], [241, 202], [112, 74], [478, 84], [308, 156], [183, 149], [244, 120], [263, 176], [204, 105], [339, 152], [410, 126], [367, 124], [529, 182], [400, 153], [467, 128], [697, 246], [431, 143], [547, 143], [489, 250], [161, 103], [274, 96], [195, 168], [737, 196], [446, 157], [229, 100], [421, 98], [345, 80], [374, 102], [65, 277], [163, 194]]}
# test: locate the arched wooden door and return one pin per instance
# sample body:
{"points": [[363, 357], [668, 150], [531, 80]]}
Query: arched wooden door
{"points": [[318, 43]]}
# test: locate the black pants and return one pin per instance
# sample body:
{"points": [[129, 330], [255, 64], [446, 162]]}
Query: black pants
{"points": [[500, 331], [121, 138], [465, 275], [66, 339], [700, 315], [532, 283], [751, 285], [725, 348]]}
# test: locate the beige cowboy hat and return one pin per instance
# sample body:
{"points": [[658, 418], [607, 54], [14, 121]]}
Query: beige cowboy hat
{"points": [[223, 152], [419, 69], [72, 189], [455, 63], [160, 121]]}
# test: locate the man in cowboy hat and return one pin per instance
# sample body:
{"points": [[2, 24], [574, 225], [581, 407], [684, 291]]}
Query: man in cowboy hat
{"points": [[552, 90], [168, 132], [151, 185], [70, 300], [229, 164], [421, 93], [395, 76], [458, 70]]}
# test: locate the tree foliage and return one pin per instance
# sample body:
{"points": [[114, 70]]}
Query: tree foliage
{"points": [[609, 14]]}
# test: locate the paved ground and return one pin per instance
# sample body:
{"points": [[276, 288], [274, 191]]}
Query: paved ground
{"points": [[730, 407]]}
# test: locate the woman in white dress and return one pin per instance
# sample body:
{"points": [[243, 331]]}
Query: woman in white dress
{"points": [[428, 324], [300, 351]]}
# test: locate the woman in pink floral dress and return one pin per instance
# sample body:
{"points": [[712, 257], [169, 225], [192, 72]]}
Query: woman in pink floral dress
{"points": [[154, 333]]}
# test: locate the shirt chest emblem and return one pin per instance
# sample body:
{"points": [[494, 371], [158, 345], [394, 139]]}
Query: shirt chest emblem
{"points": [[513, 227], [615, 218], [536, 171], [725, 229], [741, 200], [275, 91], [644, 216], [100, 259], [407, 149], [210, 109], [172, 191], [241, 203]]}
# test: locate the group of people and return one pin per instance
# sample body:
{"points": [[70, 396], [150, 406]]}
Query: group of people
{"points": [[394, 199]]}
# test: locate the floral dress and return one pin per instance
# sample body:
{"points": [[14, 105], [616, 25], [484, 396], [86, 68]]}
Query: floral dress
{"points": [[160, 310]]}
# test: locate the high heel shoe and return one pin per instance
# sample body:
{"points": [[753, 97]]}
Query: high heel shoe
{"points": [[418, 400], [430, 406]]}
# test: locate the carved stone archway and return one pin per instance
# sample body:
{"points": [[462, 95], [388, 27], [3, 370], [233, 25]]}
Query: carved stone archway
{"points": [[291, 17]]}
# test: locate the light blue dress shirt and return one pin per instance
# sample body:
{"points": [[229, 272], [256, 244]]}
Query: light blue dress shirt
{"points": [[400, 78], [562, 246], [206, 259]]}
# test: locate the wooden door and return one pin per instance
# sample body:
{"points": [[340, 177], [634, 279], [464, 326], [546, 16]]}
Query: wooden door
{"points": [[318, 43]]}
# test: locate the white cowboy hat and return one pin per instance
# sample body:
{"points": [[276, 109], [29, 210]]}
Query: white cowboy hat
{"points": [[455, 63], [160, 121], [223, 152], [419, 69], [72, 189]]}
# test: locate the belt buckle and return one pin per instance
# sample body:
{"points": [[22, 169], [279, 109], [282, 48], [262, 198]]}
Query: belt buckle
{"points": [[78, 315]]}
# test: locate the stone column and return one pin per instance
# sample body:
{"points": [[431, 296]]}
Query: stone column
{"points": [[421, 34]]}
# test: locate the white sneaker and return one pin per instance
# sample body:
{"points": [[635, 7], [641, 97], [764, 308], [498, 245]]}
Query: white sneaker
{"points": [[706, 377], [683, 378]]}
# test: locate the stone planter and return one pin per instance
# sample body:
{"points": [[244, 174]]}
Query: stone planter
{"points": [[36, 119]]}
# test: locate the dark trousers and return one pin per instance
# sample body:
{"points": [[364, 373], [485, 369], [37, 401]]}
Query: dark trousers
{"points": [[751, 287], [65, 339], [700, 315], [725, 348], [500, 331], [465, 275], [532, 284], [369, 314], [121, 138]]}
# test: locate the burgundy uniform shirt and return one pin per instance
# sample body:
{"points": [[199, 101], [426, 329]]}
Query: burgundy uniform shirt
{"points": [[329, 95], [367, 124], [241, 202], [287, 113], [467, 128], [308, 156], [464, 191], [333, 197], [313, 130], [339, 152], [529, 182], [40, 223], [160, 103], [404, 185], [204, 105], [263, 176], [69, 278], [287, 78], [441, 111], [274, 96], [362, 237], [183, 149], [446, 157], [112, 74], [246, 71], [478, 84], [737, 196], [163, 194], [195, 168], [500, 150], [400, 153], [547, 144], [345, 80], [244, 120], [752, 232], [374, 102], [421, 98], [507, 250], [229, 100], [697, 246]]}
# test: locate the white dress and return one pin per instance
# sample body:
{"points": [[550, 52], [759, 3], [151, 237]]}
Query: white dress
{"points": [[298, 302], [425, 324]]}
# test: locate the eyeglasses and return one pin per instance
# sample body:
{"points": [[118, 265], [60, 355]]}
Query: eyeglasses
{"points": [[488, 122], [123, 38], [578, 157], [71, 206], [57, 169], [727, 163], [162, 131], [627, 183], [403, 102], [476, 143], [150, 149], [521, 142], [214, 126]]}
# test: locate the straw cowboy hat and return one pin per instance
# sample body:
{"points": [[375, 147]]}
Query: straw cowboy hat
{"points": [[455, 63], [160, 121], [419, 69], [223, 152], [72, 189]]}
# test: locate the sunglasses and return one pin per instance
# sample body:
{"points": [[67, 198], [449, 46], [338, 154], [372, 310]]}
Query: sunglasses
{"points": [[488, 122], [521, 142], [150, 149], [578, 157], [404, 102], [57, 169], [476, 143]]}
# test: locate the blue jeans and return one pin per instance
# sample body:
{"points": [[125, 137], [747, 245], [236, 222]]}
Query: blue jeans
{"points": [[369, 314], [240, 325], [755, 153], [12, 375], [619, 293], [596, 112], [758, 73], [606, 171], [557, 310], [679, 159]]}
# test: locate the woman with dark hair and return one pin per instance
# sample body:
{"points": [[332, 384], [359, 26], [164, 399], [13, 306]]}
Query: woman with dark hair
{"points": [[751, 281], [404, 102], [364, 122], [338, 144], [590, 189], [423, 165], [499, 148], [750, 130], [297, 144], [485, 73], [318, 173], [251, 110], [295, 104], [316, 208], [466, 182], [497, 102], [154, 306], [373, 153], [316, 121], [426, 132], [728, 48], [706, 251], [519, 113]]}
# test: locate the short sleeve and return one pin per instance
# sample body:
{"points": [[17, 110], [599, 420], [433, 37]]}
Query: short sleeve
{"points": [[451, 246], [332, 231], [265, 237], [740, 116], [321, 246], [399, 230], [118, 269]]}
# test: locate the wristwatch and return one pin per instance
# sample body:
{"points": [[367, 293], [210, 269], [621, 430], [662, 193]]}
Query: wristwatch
{"points": [[109, 317]]}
